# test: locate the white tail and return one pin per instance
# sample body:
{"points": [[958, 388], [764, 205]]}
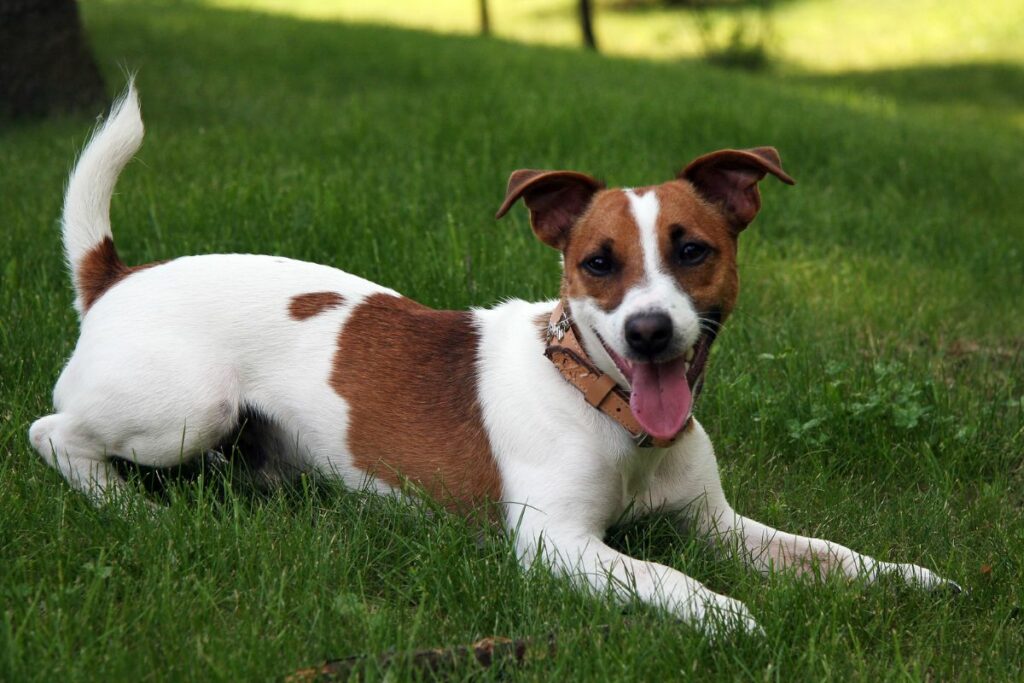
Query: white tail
{"points": [[86, 218]]}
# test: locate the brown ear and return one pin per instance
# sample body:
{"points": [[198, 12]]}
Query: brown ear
{"points": [[729, 178], [555, 200]]}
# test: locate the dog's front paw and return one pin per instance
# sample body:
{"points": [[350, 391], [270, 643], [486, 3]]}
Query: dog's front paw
{"points": [[718, 615], [920, 577]]}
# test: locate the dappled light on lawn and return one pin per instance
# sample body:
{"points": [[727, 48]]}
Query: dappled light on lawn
{"points": [[815, 35], [966, 59]]}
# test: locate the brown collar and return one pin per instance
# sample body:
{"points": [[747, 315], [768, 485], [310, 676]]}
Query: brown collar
{"points": [[599, 390]]}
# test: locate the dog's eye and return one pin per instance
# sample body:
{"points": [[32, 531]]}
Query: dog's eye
{"points": [[599, 265], [692, 253]]}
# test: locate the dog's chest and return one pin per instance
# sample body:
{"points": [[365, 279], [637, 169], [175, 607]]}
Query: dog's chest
{"points": [[629, 482], [638, 471]]}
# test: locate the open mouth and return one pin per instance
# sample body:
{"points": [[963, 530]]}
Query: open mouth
{"points": [[662, 392]]}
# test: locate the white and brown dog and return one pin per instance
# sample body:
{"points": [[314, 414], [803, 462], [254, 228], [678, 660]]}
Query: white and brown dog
{"points": [[568, 415]]}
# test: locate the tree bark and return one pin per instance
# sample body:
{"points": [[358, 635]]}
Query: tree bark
{"points": [[485, 19], [587, 24], [46, 66]]}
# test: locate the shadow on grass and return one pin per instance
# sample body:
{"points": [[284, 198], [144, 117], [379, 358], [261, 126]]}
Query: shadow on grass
{"points": [[649, 7], [988, 85]]}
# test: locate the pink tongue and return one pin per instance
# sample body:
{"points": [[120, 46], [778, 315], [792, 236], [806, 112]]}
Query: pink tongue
{"points": [[661, 398]]}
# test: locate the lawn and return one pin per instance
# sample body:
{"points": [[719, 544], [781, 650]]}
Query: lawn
{"points": [[868, 389], [814, 34], [964, 57]]}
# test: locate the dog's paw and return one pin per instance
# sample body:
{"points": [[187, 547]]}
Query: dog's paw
{"points": [[919, 577], [719, 616]]}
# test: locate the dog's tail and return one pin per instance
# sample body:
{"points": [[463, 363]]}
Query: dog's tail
{"points": [[88, 240]]}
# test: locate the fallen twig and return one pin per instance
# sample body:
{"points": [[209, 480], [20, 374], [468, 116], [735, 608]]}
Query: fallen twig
{"points": [[487, 652]]}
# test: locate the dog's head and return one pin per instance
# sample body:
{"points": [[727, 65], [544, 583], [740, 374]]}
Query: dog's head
{"points": [[650, 273]]}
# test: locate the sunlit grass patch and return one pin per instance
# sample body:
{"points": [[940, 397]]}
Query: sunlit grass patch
{"points": [[963, 61], [832, 35]]}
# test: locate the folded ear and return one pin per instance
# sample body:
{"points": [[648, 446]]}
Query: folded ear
{"points": [[555, 200], [729, 178]]}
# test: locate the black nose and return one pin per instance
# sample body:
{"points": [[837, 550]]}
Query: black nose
{"points": [[648, 334]]}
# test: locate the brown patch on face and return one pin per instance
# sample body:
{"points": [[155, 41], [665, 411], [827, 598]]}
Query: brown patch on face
{"points": [[408, 373], [728, 178], [607, 229], [100, 269], [684, 216], [304, 306]]}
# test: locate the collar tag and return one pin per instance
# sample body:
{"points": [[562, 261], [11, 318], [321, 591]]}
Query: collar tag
{"points": [[558, 329]]}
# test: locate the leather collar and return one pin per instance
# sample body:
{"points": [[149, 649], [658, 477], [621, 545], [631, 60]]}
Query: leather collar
{"points": [[599, 389]]}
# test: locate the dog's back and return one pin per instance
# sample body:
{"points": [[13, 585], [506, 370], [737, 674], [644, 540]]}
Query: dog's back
{"points": [[346, 376], [172, 356]]}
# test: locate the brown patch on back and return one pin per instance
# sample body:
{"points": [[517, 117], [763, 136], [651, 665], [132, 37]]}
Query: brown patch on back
{"points": [[100, 269], [713, 284], [607, 225], [305, 306], [409, 376]]}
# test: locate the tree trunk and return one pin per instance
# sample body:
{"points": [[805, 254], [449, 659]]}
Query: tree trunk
{"points": [[46, 66], [485, 19], [587, 24]]}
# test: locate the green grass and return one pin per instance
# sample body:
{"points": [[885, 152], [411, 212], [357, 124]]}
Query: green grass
{"points": [[921, 52], [833, 35], [868, 389]]}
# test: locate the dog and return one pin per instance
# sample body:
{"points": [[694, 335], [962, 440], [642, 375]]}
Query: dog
{"points": [[566, 415]]}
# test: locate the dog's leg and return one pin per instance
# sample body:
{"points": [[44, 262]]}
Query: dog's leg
{"points": [[109, 412], [764, 549], [591, 565], [689, 482], [70, 450]]}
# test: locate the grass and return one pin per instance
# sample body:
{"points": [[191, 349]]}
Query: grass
{"points": [[833, 35], [868, 389], [929, 57]]}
